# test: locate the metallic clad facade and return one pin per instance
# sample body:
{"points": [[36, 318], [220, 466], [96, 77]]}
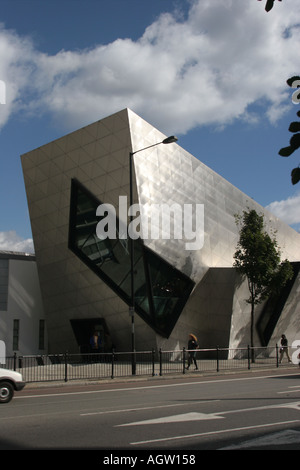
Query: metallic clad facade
{"points": [[98, 156]]}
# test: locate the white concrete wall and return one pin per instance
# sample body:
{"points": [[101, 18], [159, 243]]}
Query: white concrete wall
{"points": [[24, 304]]}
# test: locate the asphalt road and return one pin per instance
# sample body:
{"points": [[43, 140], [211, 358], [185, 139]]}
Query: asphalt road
{"points": [[255, 410]]}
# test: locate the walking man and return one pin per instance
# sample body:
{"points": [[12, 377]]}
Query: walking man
{"points": [[192, 346], [284, 348]]}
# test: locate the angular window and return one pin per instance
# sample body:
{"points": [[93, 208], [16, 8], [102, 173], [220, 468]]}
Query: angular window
{"points": [[161, 291], [42, 334], [16, 333]]}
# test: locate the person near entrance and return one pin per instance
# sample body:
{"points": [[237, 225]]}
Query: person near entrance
{"points": [[95, 343]]}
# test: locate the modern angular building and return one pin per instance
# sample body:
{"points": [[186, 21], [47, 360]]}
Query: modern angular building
{"points": [[183, 276]]}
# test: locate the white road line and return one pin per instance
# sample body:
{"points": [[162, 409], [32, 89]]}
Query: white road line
{"points": [[145, 408], [193, 416], [203, 434], [209, 416]]}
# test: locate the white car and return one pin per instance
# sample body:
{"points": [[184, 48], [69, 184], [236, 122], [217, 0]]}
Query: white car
{"points": [[10, 381]]}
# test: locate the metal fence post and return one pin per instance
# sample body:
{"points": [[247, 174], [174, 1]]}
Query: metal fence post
{"points": [[66, 366], [249, 359], [183, 360], [160, 362], [153, 363], [112, 363], [277, 356]]}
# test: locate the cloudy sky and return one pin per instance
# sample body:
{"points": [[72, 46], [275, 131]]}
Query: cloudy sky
{"points": [[213, 72]]}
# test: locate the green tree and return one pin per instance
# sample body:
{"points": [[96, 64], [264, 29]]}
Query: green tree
{"points": [[257, 258]]}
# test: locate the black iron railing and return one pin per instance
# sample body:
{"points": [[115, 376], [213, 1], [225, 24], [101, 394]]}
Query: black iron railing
{"points": [[65, 367]]}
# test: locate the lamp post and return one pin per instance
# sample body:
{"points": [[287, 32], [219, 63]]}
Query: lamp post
{"points": [[168, 140]]}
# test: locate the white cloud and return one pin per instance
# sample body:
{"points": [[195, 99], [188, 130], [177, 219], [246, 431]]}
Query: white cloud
{"points": [[205, 69], [287, 210], [11, 241]]}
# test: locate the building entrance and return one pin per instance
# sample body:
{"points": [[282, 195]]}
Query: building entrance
{"points": [[85, 331]]}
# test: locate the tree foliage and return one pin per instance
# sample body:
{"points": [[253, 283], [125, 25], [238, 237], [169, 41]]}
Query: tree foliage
{"points": [[257, 258], [293, 82], [269, 4]]}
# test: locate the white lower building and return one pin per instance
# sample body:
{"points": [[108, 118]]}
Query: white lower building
{"points": [[22, 319]]}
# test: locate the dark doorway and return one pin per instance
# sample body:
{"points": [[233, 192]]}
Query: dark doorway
{"points": [[83, 330]]}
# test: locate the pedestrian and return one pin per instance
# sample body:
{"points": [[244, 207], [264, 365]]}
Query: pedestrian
{"points": [[95, 343], [192, 346], [284, 348]]}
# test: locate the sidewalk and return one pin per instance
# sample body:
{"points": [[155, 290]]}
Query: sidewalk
{"points": [[284, 369]]}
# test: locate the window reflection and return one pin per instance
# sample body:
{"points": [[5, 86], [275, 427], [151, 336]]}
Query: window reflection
{"points": [[161, 291]]}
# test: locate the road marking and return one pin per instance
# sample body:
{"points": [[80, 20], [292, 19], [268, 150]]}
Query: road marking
{"points": [[203, 434], [206, 416], [290, 391], [145, 408], [293, 405], [193, 416]]}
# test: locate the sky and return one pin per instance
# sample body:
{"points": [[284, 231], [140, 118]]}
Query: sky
{"points": [[211, 72]]}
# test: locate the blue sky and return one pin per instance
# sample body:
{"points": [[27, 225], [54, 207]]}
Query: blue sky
{"points": [[213, 72]]}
